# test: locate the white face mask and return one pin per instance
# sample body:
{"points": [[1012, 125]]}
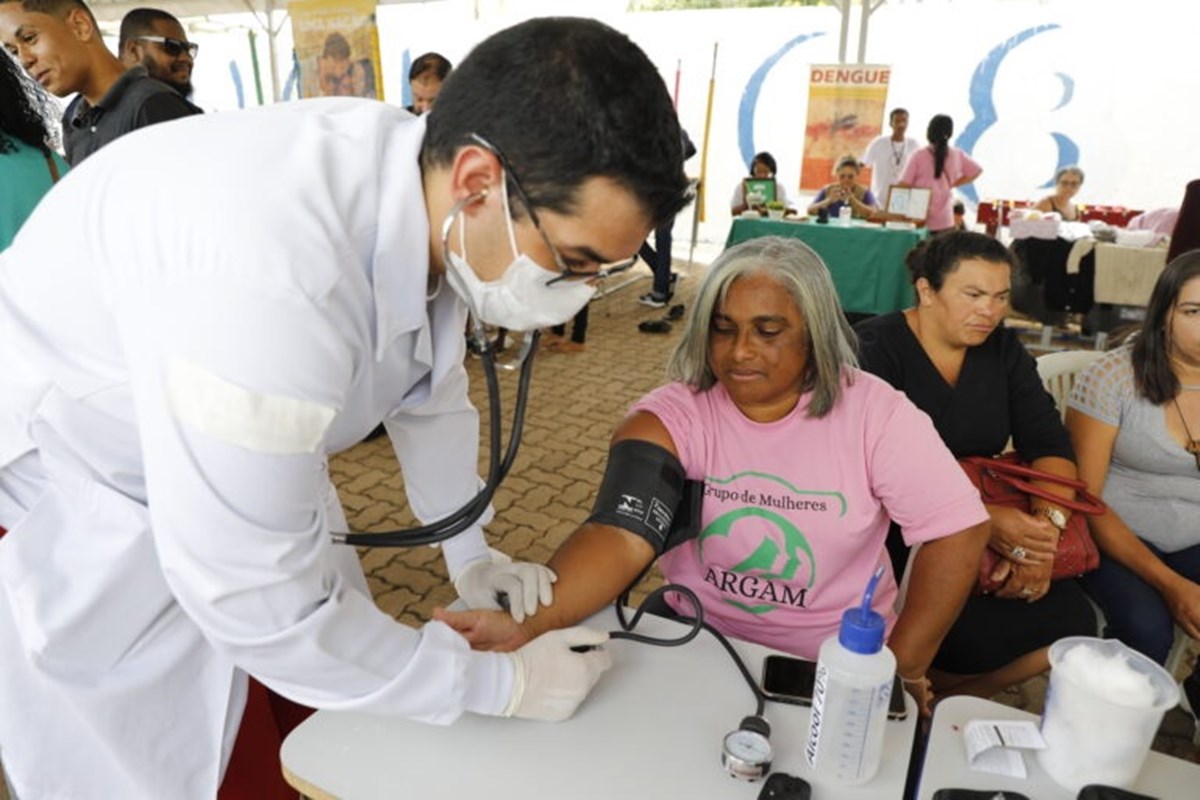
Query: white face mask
{"points": [[519, 299]]}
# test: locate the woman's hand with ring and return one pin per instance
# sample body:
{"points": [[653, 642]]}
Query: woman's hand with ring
{"points": [[1022, 538], [1027, 582]]}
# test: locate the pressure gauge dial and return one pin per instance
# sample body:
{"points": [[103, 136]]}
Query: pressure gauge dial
{"points": [[746, 752]]}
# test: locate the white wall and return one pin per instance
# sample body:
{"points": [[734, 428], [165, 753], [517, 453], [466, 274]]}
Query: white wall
{"points": [[1124, 69]]}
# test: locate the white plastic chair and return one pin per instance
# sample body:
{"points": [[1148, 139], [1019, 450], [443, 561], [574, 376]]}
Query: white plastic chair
{"points": [[1058, 371]]}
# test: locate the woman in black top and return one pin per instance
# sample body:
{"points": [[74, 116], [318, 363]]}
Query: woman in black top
{"points": [[953, 359]]}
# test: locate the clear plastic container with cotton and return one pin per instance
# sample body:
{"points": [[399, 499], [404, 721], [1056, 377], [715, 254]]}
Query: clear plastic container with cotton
{"points": [[1103, 706], [850, 697]]}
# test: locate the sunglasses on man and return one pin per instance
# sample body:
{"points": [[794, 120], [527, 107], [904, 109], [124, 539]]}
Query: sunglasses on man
{"points": [[173, 47]]}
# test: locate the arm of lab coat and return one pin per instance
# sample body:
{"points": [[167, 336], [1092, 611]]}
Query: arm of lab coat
{"points": [[236, 500], [437, 444]]}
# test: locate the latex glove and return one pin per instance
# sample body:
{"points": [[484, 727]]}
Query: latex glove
{"points": [[515, 586], [550, 679]]}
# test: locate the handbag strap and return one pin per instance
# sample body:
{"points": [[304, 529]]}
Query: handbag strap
{"points": [[53, 167], [1012, 474]]}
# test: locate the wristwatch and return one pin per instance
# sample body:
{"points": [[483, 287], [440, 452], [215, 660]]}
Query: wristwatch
{"points": [[746, 752], [1057, 518]]}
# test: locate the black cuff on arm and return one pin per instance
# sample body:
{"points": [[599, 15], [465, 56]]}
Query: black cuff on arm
{"points": [[641, 492]]}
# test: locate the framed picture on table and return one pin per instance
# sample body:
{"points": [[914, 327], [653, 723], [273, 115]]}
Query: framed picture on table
{"points": [[908, 202], [759, 187]]}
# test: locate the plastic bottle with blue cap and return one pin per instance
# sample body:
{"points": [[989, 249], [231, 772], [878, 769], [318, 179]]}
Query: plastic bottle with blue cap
{"points": [[850, 697]]}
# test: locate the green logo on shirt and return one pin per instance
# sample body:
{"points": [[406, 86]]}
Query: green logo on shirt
{"points": [[776, 558], [768, 575]]}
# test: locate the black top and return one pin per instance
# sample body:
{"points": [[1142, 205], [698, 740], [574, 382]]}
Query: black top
{"points": [[998, 394], [134, 101]]}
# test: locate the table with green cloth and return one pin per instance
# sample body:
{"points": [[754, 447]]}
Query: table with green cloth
{"points": [[867, 262]]}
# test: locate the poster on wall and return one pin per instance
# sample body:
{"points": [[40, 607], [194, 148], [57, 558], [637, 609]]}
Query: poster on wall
{"points": [[337, 47], [846, 104]]}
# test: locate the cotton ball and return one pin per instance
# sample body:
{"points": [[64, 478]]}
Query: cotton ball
{"points": [[1109, 676]]}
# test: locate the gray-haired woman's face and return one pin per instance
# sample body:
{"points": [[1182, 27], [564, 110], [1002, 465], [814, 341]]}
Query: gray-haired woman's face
{"points": [[758, 347]]}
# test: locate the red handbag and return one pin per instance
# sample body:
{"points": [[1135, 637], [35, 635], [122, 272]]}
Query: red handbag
{"points": [[1006, 481]]}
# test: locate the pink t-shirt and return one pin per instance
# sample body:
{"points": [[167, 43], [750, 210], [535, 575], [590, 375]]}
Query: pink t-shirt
{"points": [[796, 511], [919, 172]]}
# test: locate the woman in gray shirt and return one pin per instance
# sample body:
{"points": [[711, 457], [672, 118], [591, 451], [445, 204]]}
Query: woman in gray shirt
{"points": [[1134, 419]]}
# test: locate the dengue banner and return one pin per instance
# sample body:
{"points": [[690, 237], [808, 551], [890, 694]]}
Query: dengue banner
{"points": [[337, 47], [846, 106]]}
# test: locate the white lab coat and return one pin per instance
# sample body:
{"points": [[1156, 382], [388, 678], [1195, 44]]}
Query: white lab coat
{"points": [[200, 315]]}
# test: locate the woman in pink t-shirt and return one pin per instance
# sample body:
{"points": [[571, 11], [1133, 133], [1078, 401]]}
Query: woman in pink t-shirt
{"points": [[940, 168], [800, 461]]}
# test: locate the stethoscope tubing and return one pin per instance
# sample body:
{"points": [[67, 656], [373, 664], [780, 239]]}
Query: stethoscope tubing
{"points": [[470, 512]]}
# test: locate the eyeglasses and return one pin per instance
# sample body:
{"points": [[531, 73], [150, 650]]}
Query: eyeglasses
{"points": [[173, 47], [566, 273]]}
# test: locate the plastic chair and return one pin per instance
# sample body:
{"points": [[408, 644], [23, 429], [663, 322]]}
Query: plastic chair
{"points": [[1058, 371]]}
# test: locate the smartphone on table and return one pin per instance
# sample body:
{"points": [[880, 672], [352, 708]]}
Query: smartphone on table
{"points": [[786, 679]]}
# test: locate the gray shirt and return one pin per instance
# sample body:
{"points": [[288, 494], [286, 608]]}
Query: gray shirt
{"points": [[134, 101], [1152, 480]]}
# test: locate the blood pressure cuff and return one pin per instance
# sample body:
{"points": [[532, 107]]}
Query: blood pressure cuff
{"points": [[645, 492]]}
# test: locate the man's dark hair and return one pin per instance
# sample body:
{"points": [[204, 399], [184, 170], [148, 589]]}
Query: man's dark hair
{"points": [[25, 108], [1151, 356], [565, 100], [57, 8], [434, 64], [895, 111], [140, 22]]}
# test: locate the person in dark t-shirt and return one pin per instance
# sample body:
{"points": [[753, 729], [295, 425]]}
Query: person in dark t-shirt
{"points": [[59, 44]]}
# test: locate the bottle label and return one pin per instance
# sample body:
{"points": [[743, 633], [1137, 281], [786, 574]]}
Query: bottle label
{"points": [[820, 685]]}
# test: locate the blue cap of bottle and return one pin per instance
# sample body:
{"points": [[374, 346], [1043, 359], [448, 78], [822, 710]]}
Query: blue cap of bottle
{"points": [[862, 628]]}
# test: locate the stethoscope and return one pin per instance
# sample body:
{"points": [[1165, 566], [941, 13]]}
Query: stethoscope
{"points": [[746, 751], [469, 513]]}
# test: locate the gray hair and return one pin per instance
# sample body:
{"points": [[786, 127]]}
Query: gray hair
{"points": [[800, 271]]}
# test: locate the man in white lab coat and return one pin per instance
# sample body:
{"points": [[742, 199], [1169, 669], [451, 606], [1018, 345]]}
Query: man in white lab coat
{"points": [[182, 347]]}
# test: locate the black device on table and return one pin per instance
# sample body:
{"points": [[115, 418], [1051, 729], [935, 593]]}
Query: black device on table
{"points": [[790, 680], [781, 786], [978, 794], [1090, 792], [1096, 791]]}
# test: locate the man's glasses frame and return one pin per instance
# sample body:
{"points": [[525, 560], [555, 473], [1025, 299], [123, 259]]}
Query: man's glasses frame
{"points": [[172, 47], [566, 273]]}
